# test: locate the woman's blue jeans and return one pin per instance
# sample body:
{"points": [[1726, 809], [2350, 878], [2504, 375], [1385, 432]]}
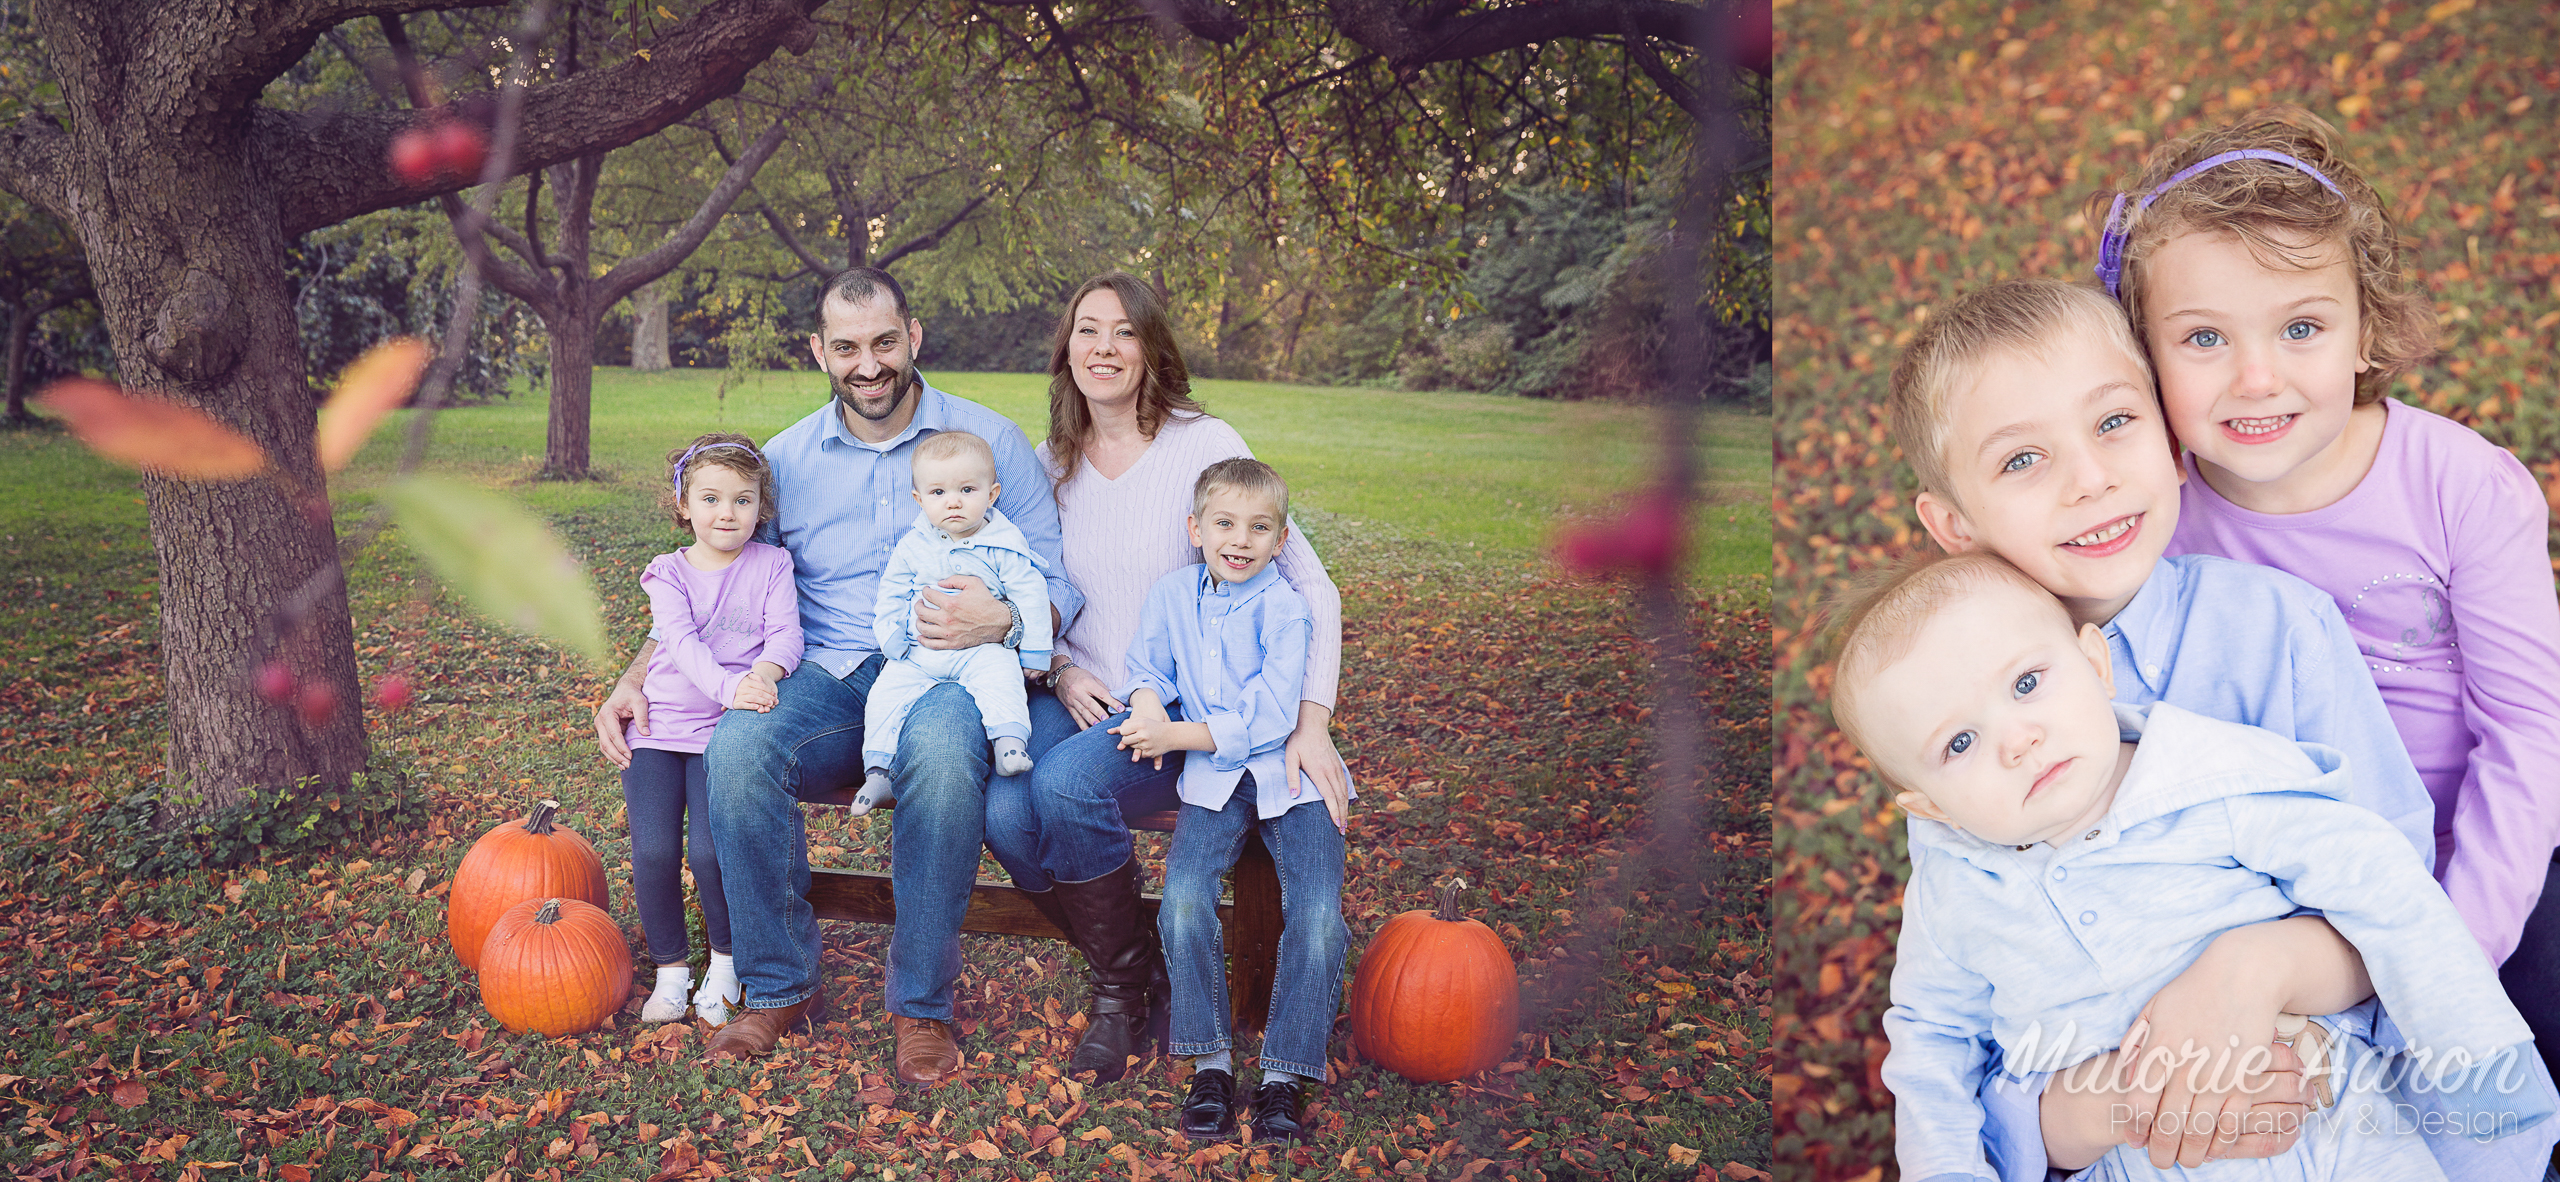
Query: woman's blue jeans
{"points": [[659, 790], [1080, 792], [1307, 988]]}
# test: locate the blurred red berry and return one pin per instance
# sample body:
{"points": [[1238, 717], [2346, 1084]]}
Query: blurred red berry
{"points": [[1646, 539], [318, 704], [460, 151], [393, 693], [275, 682], [413, 156]]}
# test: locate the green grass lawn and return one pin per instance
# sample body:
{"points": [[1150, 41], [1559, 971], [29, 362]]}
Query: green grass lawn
{"points": [[301, 1017]]}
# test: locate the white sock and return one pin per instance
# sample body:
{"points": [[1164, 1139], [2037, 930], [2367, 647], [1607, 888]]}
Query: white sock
{"points": [[718, 997], [1222, 1061], [1272, 1076], [666, 1002], [876, 788], [1011, 759]]}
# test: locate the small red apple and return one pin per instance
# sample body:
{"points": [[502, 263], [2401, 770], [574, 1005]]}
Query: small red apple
{"points": [[460, 150], [318, 704], [393, 693], [276, 682], [413, 156]]}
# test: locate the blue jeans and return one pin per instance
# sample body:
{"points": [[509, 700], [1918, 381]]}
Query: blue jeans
{"points": [[1307, 988], [1013, 825], [1081, 793], [763, 765], [658, 790]]}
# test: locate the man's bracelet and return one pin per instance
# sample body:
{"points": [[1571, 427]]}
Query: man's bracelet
{"points": [[1013, 636]]}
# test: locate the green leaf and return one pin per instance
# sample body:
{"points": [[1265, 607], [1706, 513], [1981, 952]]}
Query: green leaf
{"points": [[501, 559]]}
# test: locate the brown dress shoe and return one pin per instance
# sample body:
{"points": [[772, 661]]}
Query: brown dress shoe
{"points": [[753, 1032], [927, 1051]]}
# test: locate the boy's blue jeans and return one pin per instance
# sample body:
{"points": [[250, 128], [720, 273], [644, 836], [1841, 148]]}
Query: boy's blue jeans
{"points": [[763, 765], [1306, 991], [659, 790]]}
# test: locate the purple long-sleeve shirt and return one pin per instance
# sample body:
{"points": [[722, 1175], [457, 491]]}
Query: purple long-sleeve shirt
{"points": [[712, 627], [2440, 560]]}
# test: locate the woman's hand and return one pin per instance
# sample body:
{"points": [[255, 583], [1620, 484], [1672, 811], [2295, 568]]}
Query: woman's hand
{"points": [[1087, 700], [1310, 751]]}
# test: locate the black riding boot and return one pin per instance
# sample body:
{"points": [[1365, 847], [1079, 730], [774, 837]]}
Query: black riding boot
{"points": [[1118, 938]]}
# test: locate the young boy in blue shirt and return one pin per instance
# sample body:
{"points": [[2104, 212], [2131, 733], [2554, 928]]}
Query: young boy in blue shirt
{"points": [[2028, 411], [2071, 854], [1227, 639]]}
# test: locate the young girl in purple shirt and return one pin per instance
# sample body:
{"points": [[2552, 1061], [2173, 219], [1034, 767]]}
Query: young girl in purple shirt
{"points": [[2262, 274], [726, 617]]}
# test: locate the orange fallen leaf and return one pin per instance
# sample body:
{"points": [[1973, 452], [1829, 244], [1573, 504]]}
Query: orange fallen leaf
{"points": [[1742, 1173], [150, 433], [983, 1151], [131, 1093], [370, 387], [295, 1173]]}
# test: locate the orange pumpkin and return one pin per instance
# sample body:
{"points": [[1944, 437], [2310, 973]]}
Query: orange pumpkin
{"points": [[558, 966], [518, 860], [1436, 998]]}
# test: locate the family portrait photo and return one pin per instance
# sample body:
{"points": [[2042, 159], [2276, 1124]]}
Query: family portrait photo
{"points": [[991, 589]]}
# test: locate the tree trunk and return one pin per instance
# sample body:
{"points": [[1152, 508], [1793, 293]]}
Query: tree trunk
{"points": [[573, 362], [649, 329], [189, 261], [22, 327]]}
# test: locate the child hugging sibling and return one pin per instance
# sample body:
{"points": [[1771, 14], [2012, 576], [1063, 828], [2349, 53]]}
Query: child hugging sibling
{"points": [[2071, 855], [2260, 274], [959, 532], [1227, 639], [727, 620]]}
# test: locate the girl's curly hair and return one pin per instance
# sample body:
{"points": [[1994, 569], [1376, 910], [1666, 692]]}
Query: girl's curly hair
{"points": [[729, 450], [2286, 219]]}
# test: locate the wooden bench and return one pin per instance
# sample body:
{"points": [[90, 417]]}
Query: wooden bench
{"points": [[1251, 923]]}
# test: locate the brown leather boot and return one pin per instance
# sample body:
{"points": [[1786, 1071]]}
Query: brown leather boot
{"points": [[927, 1050], [1118, 939], [753, 1032]]}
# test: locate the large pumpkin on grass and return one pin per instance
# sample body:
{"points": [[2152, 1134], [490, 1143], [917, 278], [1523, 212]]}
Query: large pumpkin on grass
{"points": [[519, 860], [558, 966], [1436, 998]]}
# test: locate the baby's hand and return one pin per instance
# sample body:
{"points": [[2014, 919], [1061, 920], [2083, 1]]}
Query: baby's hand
{"points": [[755, 692]]}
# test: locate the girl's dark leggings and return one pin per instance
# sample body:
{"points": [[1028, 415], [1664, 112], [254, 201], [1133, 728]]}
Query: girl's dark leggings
{"points": [[658, 790]]}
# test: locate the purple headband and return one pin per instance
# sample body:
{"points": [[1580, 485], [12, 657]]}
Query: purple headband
{"points": [[2111, 243], [698, 449]]}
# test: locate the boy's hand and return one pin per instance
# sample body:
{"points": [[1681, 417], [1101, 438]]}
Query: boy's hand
{"points": [[1144, 734], [2189, 1059], [2085, 1113], [958, 612]]}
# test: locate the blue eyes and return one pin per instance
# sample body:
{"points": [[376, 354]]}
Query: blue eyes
{"points": [[2205, 338], [2028, 459], [2113, 421], [2026, 684], [2301, 330], [1960, 744]]}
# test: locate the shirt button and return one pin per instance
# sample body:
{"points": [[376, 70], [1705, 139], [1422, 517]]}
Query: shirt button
{"points": [[2151, 670], [2091, 835], [2059, 874], [2088, 917]]}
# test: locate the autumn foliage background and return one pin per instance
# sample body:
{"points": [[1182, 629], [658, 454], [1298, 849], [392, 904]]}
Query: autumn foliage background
{"points": [[1928, 149]]}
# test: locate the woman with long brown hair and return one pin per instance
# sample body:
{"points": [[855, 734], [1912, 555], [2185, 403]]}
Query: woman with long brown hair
{"points": [[1126, 443]]}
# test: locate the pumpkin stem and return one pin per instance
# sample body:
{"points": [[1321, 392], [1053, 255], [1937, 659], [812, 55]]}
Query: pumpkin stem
{"points": [[1449, 912], [550, 913], [540, 821]]}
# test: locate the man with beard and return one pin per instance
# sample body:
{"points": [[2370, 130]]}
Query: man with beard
{"points": [[842, 480]]}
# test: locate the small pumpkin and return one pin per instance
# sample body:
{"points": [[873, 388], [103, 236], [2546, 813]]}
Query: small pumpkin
{"points": [[1436, 997], [558, 966], [519, 860]]}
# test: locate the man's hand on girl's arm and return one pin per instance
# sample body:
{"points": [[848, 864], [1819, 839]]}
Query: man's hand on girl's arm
{"points": [[629, 699], [2207, 1033]]}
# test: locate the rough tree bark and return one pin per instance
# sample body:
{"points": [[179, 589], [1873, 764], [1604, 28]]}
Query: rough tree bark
{"points": [[649, 346], [185, 192]]}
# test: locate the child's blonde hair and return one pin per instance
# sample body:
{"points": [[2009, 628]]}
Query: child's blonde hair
{"points": [[945, 445], [2287, 218], [1241, 474], [729, 450], [1949, 352], [1875, 624]]}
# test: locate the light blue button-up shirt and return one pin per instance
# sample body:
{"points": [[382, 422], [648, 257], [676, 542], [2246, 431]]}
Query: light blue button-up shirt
{"points": [[845, 504], [1234, 655], [2031, 960]]}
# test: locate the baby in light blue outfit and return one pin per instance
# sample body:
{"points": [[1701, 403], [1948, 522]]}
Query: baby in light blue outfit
{"points": [[2071, 856], [960, 532]]}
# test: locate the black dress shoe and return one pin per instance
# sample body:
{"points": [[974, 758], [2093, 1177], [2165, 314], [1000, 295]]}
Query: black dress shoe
{"points": [[1275, 1113], [1209, 1111]]}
